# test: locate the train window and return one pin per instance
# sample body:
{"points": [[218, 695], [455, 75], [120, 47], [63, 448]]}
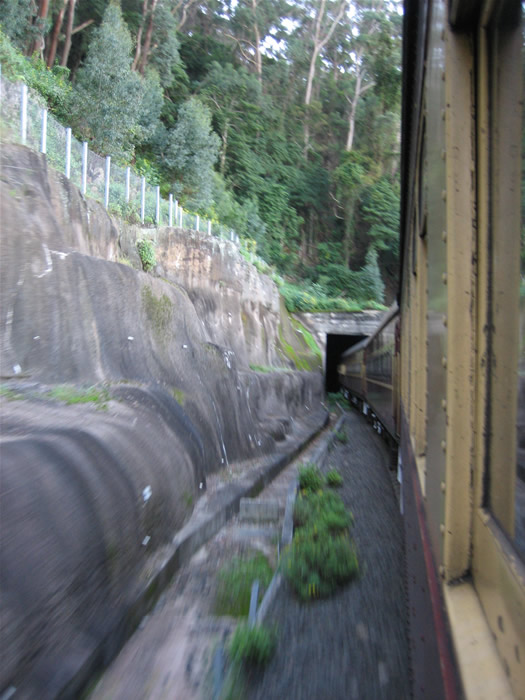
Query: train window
{"points": [[520, 415], [504, 494]]}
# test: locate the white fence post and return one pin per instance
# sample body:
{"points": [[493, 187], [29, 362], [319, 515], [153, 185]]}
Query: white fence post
{"points": [[197, 222], [128, 171], [106, 188], [83, 185], [67, 169], [170, 211], [43, 135], [157, 205], [180, 214], [176, 211], [143, 199], [23, 115], [209, 228]]}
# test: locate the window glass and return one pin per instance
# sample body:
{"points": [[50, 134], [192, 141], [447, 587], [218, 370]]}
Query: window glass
{"points": [[520, 480]]}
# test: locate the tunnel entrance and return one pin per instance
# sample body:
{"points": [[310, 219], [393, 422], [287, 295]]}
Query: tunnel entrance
{"points": [[335, 347]]}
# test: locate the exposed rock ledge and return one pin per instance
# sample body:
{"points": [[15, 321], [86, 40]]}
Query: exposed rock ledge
{"points": [[90, 490]]}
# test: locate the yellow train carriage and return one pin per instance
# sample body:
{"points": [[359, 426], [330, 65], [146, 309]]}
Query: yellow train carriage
{"points": [[460, 345]]}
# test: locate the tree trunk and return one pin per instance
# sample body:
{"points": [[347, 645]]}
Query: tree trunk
{"points": [[147, 40], [138, 47], [320, 42], [224, 147], [359, 91], [55, 35], [69, 32], [38, 42], [258, 54]]}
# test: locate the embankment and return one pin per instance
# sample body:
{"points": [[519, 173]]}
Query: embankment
{"points": [[99, 475]]}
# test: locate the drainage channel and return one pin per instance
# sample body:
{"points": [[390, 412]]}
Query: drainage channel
{"points": [[178, 649]]}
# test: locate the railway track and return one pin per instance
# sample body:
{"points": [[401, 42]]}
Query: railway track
{"points": [[171, 656]]}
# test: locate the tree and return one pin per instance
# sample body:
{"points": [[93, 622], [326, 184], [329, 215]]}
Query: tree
{"points": [[351, 178], [16, 19], [191, 153], [110, 96]]}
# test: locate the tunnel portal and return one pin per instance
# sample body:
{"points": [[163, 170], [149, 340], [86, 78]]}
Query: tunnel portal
{"points": [[336, 345]]}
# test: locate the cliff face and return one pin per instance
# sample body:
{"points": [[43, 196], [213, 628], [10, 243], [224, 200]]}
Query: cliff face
{"points": [[89, 474]]}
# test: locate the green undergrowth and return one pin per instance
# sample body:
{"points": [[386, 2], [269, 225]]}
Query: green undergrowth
{"points": [[322, 556], [9, 394], [159, 310], [235, 584], [265, 369], [146, 249], [252, 646], [70, 395], [342, 437]]}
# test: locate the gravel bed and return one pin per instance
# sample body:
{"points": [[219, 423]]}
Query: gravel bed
{"points": [[353, 645]]}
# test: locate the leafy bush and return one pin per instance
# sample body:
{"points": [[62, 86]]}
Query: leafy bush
{"points": [[235, 584], [310, 478], [252, 646], [342, 436], [334, 479], [318, 563], [146, 250], [324, 510]]}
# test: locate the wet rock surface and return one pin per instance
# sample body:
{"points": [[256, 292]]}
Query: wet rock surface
{"points": [[354, 645]]}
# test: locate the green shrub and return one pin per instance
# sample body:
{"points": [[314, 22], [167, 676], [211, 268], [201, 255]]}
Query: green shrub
{"points": [[334, 479], [252, 646], [342, 436], [324, 511], [332, 399], [146, 250], [310, 478], [317, 563], [235, 584]]}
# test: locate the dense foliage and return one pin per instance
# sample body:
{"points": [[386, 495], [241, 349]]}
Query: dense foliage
{"points": [[278, 118]]}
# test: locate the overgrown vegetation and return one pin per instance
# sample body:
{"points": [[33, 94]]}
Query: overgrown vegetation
{"points": [[70, 394], [234, 584], [146, 249], [321, 557], [253, 646], [159, 310], [292, 144], [310, 477], [342, 436], [9, 394], [333, 479]]}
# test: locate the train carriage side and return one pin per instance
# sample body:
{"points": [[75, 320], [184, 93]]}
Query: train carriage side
{"points": [[366, 371], [462, 346]]}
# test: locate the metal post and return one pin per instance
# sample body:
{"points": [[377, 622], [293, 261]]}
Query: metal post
{"points": [[23, 115], [209, 228], [83, 186], [143, 199], [197, 223], [43, 135], [170, 210], [106, 190], [157, 205], [180, 213], [128, 171], [67, 169], [176, 211]]}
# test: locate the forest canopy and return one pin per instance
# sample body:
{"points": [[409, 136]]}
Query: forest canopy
{"points": [[279, 119]]}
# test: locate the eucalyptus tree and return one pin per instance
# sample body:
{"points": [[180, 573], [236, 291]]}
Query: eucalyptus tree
{"points": [[110, 97], [191, 153]]}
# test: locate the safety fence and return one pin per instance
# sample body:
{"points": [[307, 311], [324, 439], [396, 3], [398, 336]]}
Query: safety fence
{"points": [[25, 119]]}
